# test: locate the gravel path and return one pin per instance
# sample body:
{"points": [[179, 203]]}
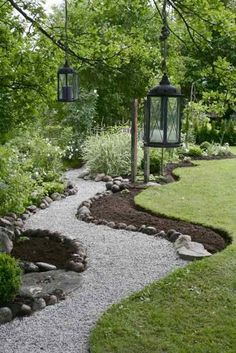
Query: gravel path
{"points": [[120, 262]]}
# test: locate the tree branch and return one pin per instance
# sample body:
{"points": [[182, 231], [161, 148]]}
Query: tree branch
{"points": [[49, 36]]}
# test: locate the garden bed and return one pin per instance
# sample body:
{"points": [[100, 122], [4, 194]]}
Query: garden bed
{"points": [[120, 208]]}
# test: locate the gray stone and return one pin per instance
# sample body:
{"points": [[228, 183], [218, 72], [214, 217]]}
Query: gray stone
{"points": [[182, 240], [48, 199], [9, 218], [150, 230], [109, 185], [161, 234], [169, 232], [25, 216], [87, 177], [132, 228], [99, 177], [194, 251], [19, 223], [142, 228], [39, 304], [117, 182], [111, 224], [174, 236], [75, 266], [115, 188], [84, 211], [5, 223], [56, 196], [43, 266], [119, 178], [5, 315], [25, 310], [29, 267], [107, 178], [30, 289], [18, 232], [12, 215], [8, 232], [125, 181], [32, 208], [190, 250], [52, 300], [43, 206], [6, 244], [121, 226]]}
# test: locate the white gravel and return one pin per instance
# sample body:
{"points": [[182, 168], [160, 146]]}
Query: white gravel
{"points": [[120, 262]]}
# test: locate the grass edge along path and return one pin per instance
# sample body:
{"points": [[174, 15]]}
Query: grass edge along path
{"points": [[193, 310]]}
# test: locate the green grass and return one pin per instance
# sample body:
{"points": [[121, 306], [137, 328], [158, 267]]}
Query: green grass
{"points": [[193, 310]]}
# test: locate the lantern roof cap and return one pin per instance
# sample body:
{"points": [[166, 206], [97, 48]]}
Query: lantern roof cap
{"points": [[66, 69], [164, 89]]}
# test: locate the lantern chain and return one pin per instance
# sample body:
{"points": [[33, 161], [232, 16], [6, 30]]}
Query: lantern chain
{"points": [[165, 32], [66, 35]]}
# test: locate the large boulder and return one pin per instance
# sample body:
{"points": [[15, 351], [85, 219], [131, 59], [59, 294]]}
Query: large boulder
{"points": [[190, 250]]}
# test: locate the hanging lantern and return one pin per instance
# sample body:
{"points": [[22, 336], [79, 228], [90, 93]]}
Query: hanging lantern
{"points": [[163, 116], [67, 79]]}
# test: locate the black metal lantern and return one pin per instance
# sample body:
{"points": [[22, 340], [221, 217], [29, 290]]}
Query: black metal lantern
{"points": [[67, 78], [163, 116]]}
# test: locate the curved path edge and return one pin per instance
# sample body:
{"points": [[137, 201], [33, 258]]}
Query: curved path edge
{"points": [[119, 263]]}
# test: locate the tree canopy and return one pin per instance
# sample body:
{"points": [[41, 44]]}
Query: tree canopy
{"points": [[115, 48]]}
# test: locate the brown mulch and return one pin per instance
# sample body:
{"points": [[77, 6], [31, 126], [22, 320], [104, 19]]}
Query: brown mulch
{"points": [[120, 208], [42, 250]]}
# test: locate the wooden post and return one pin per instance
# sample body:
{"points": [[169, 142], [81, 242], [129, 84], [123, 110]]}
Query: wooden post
{"points": [[134, 140], [146, 156], [146, 164]]}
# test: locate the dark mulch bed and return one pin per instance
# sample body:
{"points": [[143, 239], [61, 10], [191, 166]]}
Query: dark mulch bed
{"points": [[42, 250], [120, 207]]}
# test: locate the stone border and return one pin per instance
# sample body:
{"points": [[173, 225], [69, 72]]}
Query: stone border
{"points": [[12, 227], [26, 304], [76, 262], [15, 224], [188, 251]]}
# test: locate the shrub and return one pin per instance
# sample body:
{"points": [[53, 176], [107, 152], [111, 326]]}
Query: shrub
{"points": [[155, 162], [30, 167], [194, 151], [16, 185], [109, 153], [10, 278], [205, 145], [216, 149]]}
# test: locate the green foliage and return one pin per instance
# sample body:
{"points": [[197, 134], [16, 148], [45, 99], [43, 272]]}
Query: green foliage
{"points": [[216, 149], [155, 161], [30, 167], [222, 131], [109, 153], [10, 278], [205, 145], [194, 151], [16, 184]]}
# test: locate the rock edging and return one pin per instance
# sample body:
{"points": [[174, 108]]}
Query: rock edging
{"points": [[187, 251]]}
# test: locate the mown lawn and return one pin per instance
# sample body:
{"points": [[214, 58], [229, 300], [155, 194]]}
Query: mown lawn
{"points": [[193, 310]]}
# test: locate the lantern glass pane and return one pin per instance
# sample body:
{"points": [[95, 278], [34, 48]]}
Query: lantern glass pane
{"points": [[172, 120], [156, 120]]}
